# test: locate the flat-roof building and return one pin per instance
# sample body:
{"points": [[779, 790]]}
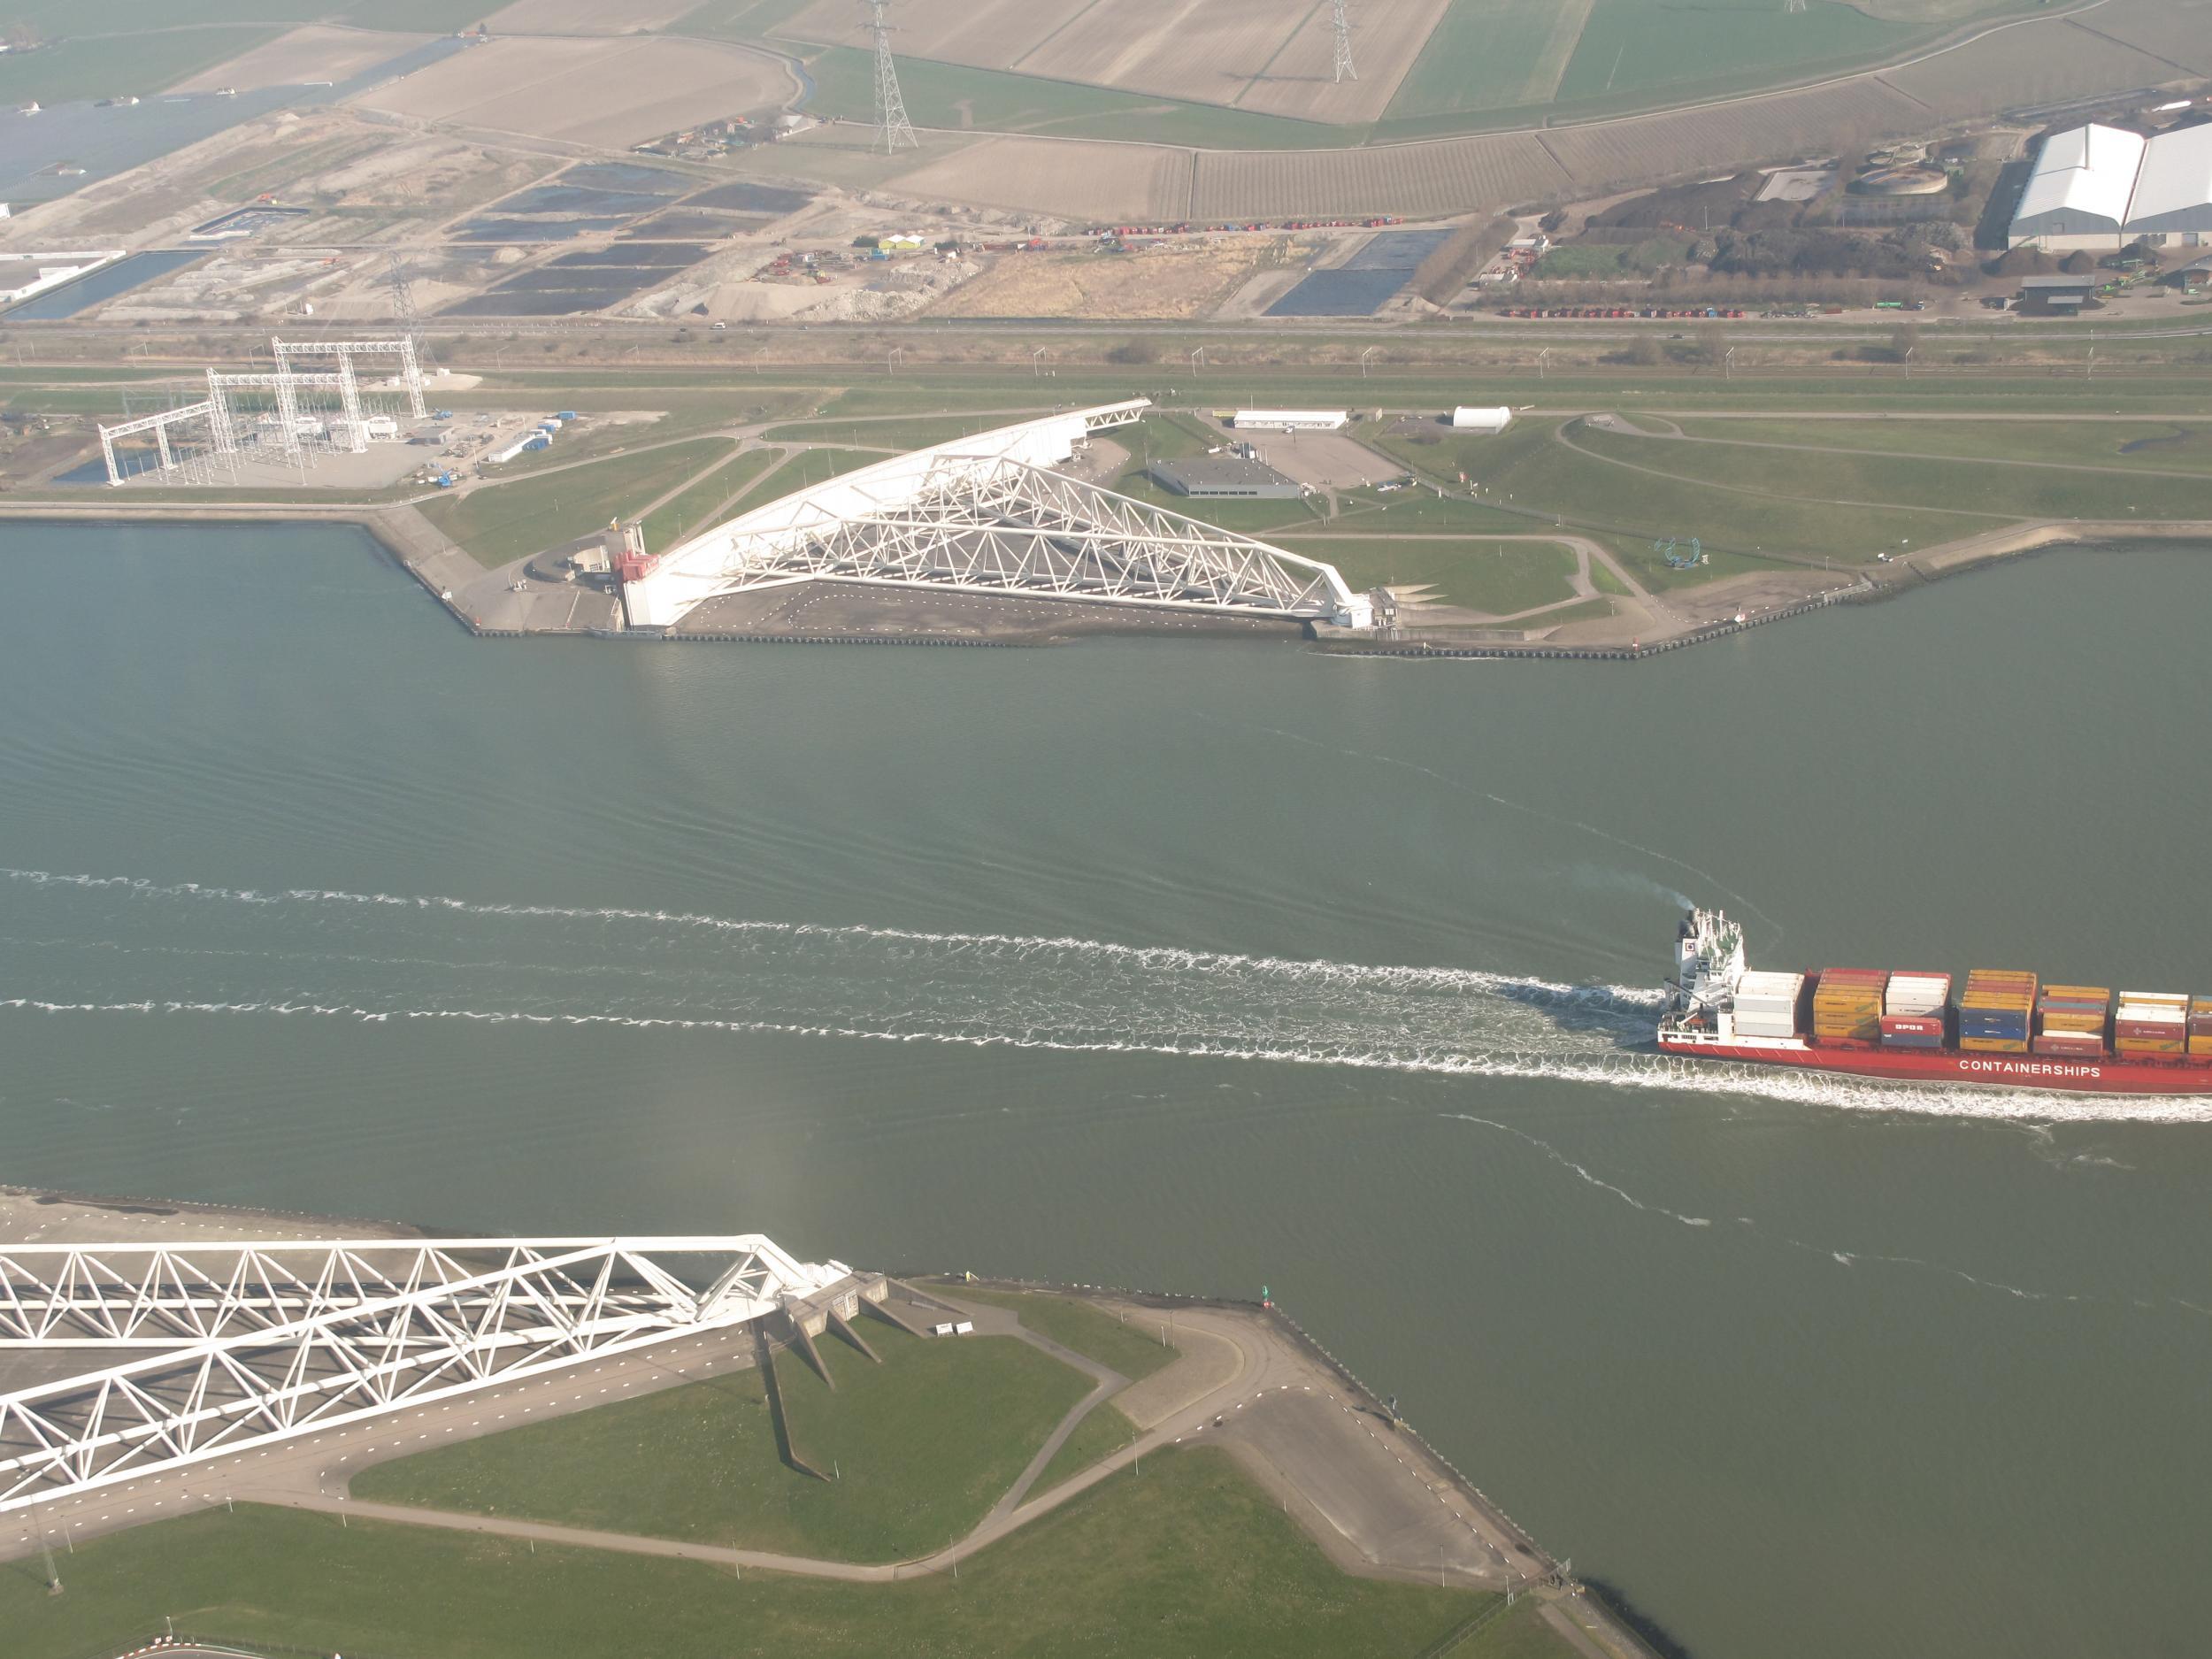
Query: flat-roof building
{"points": [[1225, 477], [1290, 419], [2100, 188]]}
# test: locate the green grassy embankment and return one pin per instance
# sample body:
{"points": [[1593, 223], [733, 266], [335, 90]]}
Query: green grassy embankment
{"points": [[922, 1445], [2160, 446], [1190, 1557], [1103, 1431], [496, 523], [1499, 578], [1134, 1350], [706, 501]]}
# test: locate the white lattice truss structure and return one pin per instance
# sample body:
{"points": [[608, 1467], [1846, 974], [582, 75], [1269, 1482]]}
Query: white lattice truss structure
{"points": [[200, 1351], [990, 514], [208, 433]]}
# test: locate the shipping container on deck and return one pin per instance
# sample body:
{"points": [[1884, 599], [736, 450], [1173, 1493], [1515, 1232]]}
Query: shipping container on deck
{"points": [[1994, 1045], [2073, 1044], [1913, 991]]}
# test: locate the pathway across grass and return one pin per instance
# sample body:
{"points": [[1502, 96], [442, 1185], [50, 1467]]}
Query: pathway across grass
{"points": [[923, 1446], [1190, 1557]]}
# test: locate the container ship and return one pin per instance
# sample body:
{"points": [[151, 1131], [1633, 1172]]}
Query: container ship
{"points": [[2005, 1029]]}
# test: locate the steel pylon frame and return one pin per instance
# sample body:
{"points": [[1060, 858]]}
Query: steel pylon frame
{"points": [[206, 1350]]}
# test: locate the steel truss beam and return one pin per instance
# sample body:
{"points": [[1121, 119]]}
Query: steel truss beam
{"points": [[200, 1351], [989, 514]]}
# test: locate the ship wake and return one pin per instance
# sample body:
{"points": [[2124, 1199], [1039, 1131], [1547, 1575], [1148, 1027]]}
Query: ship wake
{"points": [[86, 946]]}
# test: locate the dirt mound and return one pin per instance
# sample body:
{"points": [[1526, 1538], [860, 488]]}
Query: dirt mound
{"points": [[2021, 262]]}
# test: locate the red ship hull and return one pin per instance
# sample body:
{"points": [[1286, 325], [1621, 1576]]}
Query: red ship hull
{"points": [[1948, 1066]]}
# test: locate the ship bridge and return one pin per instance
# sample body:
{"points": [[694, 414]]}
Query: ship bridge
{"points": [[992, 514]]}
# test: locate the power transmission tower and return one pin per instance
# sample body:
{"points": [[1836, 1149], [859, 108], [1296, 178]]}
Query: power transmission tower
{"points": [[891, 122], [1342, 25], [403, 292]]}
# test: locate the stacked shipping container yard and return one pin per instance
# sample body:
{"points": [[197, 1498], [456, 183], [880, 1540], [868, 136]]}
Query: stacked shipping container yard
{"points": [[1847, 1007], [1997, 1011], [1913, 1007], [2151, 1026]]}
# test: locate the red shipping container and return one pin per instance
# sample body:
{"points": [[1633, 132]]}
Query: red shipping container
{"points": [[1911, 1026], [2146, 1028]]}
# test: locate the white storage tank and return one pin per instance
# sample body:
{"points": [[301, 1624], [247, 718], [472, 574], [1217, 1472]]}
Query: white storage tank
{"points": [[1482, 420]]}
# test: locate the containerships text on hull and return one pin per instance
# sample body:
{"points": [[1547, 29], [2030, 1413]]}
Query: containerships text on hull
{"points": [[2005, 1030]]}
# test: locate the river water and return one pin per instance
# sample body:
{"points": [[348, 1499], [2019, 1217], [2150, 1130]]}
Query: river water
{"points": [[1205, 967]]}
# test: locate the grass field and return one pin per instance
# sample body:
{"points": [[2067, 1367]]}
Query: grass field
{"points": [[1499, 578], [699, 506], [1492, 54], [1597, 488], [1959, 488], [2164, 446], [1645, 46], [923, 1444], [498, 524], [1135, 1349], [952, 96], [1188, 1558], [1102, 1431], [893, 433], [813, 467], [1608, 261]]}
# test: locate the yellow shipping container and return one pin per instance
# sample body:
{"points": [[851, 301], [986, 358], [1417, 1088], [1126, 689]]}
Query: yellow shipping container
{"points": [[2062, 1019], [2156, 999], [2078, 993], [2200, 1048], [2166, 1047], [1992, 1045]]}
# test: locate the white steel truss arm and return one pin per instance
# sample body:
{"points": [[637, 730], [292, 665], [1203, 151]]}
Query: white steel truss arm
{"points": [[203, 1349]]}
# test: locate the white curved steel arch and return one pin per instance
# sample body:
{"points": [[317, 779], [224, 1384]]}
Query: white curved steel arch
{"points": [[198, 1351], [989, 514]]}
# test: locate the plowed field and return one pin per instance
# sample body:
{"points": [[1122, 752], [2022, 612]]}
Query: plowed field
{"points": [[1729, 135], [614, 91], [1298, 83], [2041, 62], [1163, 286], [1456, 175], [586, 17], [1077, 180]]}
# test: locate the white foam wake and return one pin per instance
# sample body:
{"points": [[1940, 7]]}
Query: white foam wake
{"points": [[328, 953]]}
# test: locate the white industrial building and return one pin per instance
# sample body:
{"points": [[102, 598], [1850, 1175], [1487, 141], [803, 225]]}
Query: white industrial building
{"points": [[2100, 188], [1290, 419], [1467, 419]]}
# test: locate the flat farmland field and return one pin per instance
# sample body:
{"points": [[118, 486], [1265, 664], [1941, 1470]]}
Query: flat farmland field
{"points": [[2039, 62], [1268, 56], [1492, 55], [1448, 176], [303, 55], [1639, 46], [1168, 286], [988, 34], [1207, 50], [615, 91], [1646, 147], [586, 17], [1386, 38], [1068, 178], [2181, 32]]}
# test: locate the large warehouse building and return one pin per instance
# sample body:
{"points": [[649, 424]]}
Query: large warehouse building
{"points": [[2101, 188]]}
